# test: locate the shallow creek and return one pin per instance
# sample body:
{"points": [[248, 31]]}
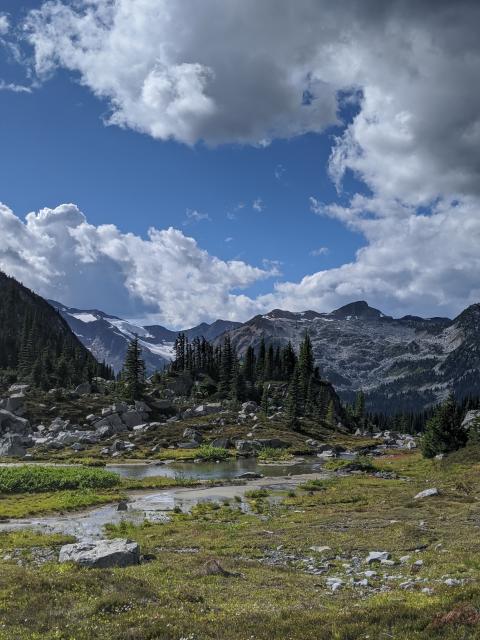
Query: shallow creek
{"points": [[154, 505]]}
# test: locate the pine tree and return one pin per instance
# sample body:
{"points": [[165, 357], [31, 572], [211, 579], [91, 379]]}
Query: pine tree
{"points": [[264, 404], [444, 432], [133, 374], [261, 360], [306, 366], [330, 417], [294, 400], [360, 409]]}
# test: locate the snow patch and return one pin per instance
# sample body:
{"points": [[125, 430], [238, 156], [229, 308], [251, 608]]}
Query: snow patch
{"points": [[84, 317], [129, 329]]}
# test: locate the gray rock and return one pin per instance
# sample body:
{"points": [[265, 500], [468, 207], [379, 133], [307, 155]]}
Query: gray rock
{"points": [[84, 389], [102, 554], [12, 423], [470, 418], [192, 435], [427, 493], [18, 388], [142, 407], [222, 443], [249, 407], [250, 475], [11, 445], [132, 418], [15, 402], [377, 556], [58, 424], [207, 409]]}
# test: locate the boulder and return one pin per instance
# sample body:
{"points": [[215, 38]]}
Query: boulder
{"points": [[272, 443], [12, 423], [207, 409], [102, 554], [142, 407], [249, 407], [132, 418], [247, 446], [58, 425], [18, 388], [83, 389], [192, 435], [377, 556], [223, 443], [15, 402], [113, 422], [250, 475], [11, 445], [470, 418], [427, 493]]}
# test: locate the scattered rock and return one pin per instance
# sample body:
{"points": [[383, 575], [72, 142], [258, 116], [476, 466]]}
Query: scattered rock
{"points": [[214, 568], [427, 493], [377, 556], [250, 475], [102, 553]]}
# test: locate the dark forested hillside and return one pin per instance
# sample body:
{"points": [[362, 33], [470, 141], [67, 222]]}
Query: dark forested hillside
{"points": [[36, 344]]}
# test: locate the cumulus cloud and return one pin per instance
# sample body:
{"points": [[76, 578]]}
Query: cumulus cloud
{"points": [[4, 24], [166, 277], [249, 72]]}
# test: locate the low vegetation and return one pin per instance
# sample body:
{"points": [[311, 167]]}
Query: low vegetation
{"points": [[278, 562], [40, 478]]}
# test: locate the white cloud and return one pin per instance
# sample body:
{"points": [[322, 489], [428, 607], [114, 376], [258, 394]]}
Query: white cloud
{"points": [[15, 88], [228, 239], [258, 205], [192, 215], [4, 24], [321, 251], [165, 69], [279, 171], [166, 277]]}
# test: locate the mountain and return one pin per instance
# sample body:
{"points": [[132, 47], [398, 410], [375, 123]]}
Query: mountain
{"points": [[402, 364], [35, 341], [107, 336]]}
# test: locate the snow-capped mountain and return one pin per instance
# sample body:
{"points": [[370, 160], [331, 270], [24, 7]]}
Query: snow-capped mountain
{"points": [[402, 364], [107, 336]]}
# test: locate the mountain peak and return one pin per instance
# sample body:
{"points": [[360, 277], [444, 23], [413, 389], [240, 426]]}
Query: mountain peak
{"points": [[358, 309]]}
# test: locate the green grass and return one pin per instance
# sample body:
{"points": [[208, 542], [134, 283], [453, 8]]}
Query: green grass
{"points": [[38, 478], [171, 597], [269, 454], [209, 453]]}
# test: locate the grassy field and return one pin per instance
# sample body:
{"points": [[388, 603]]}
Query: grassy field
{"points": [[280, 588]]}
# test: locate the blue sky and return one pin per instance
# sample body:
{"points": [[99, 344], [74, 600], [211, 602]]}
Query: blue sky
{"points": [[57, 149], [191, 101]]}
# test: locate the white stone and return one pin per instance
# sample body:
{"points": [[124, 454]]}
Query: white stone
{"points": [[426, 493]]}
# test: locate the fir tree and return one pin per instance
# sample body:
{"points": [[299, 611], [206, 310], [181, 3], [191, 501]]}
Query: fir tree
{"points": [[444, 432], [133, 374], [294, 400], [330, 417], [264, 404], [360, 409]]}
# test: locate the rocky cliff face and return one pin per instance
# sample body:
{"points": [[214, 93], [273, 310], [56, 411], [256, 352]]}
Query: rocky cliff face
{"points": [[107, 336], [402, 364]]}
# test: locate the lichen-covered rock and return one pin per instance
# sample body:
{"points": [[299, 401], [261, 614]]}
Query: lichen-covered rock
{"points": [[102, 554]]}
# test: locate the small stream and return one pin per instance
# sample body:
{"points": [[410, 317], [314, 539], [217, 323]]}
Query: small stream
{"points": [[226, 469], [155, 505]]}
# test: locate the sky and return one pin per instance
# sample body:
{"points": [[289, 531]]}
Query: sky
{"points": [[175, 162]]}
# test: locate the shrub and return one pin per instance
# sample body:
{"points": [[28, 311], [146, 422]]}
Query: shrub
{"points": [[208, 452], [37, 478], [269, 453]]}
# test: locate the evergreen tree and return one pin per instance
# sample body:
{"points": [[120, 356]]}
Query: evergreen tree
{"points": [[294, 400], [261, 360], [443, 432], [330, 418], [289, 360], [264, 404], [305, 366], [249, 367], [133, 374], [360, 409]]}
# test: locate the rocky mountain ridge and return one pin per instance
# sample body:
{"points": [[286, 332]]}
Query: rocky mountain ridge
{"points": [[402, 364], [107, 336]]}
